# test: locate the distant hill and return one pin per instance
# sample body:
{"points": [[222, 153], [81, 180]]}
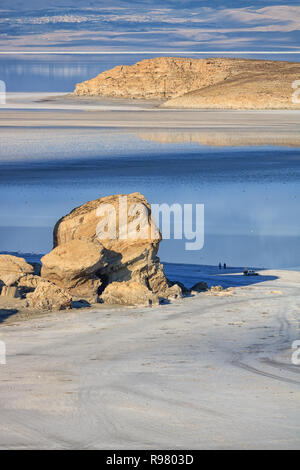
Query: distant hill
{"points": [[200, 83]]}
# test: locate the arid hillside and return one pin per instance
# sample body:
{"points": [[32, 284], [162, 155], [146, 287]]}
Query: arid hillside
{"points": [[200, 83], [269, 90]]}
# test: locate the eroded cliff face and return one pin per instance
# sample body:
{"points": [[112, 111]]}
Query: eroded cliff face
{"points": [[170, 77], [159, 78], [105, 250]]}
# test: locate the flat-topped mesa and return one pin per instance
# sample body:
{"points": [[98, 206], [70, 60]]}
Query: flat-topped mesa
{"points": [[168, 77]]}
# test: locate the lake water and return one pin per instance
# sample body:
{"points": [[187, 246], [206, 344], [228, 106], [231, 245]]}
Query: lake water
{"points": [[52, 73], [251, 194]]}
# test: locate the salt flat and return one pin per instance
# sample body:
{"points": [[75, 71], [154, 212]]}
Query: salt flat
{"points": [[44, 110], [210, 371]]}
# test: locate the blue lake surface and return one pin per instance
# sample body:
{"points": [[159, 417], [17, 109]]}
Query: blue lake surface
{"points": [[251, 195]]}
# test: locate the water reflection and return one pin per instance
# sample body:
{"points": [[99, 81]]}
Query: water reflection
{"points": [[230, 138], [251, 195], [58, 73]]}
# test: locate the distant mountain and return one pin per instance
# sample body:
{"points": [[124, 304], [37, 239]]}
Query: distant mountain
{"points": [[200, 83]]}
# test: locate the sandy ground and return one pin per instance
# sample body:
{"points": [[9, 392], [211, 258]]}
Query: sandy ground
{"points": [[210, 371]]}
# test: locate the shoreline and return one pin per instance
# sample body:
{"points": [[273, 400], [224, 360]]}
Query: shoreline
{"points": [[230, 279], [28, 111], [68, 100]]}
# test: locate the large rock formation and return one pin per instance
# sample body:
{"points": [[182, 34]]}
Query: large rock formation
{"points": [[111, 239], [159, 78], [171, 77]]}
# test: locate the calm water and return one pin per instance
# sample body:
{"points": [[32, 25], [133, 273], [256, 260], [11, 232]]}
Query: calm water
{"points": [[251, 194], [60, 73]]}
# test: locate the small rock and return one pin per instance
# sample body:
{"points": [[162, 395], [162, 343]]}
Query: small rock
{"points": [[200, 287], [216, 288], [174, 292], [184, 289], [128, 293], [47, 296]]}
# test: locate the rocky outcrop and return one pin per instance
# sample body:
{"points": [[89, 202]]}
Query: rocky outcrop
{"points": [[111, 239], [47, 297], [29, 282], [17, 280], [129, 293], [213, 83], [75, 265], [200, 287], [216, 289], [12, 269]]}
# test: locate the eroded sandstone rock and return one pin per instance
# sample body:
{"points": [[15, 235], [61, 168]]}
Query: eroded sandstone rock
{"points": [[29, 281], [12, 268], [75, 266], [129, 245], [47, 296], [129, 293], [200, 83], [200, 287]]}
